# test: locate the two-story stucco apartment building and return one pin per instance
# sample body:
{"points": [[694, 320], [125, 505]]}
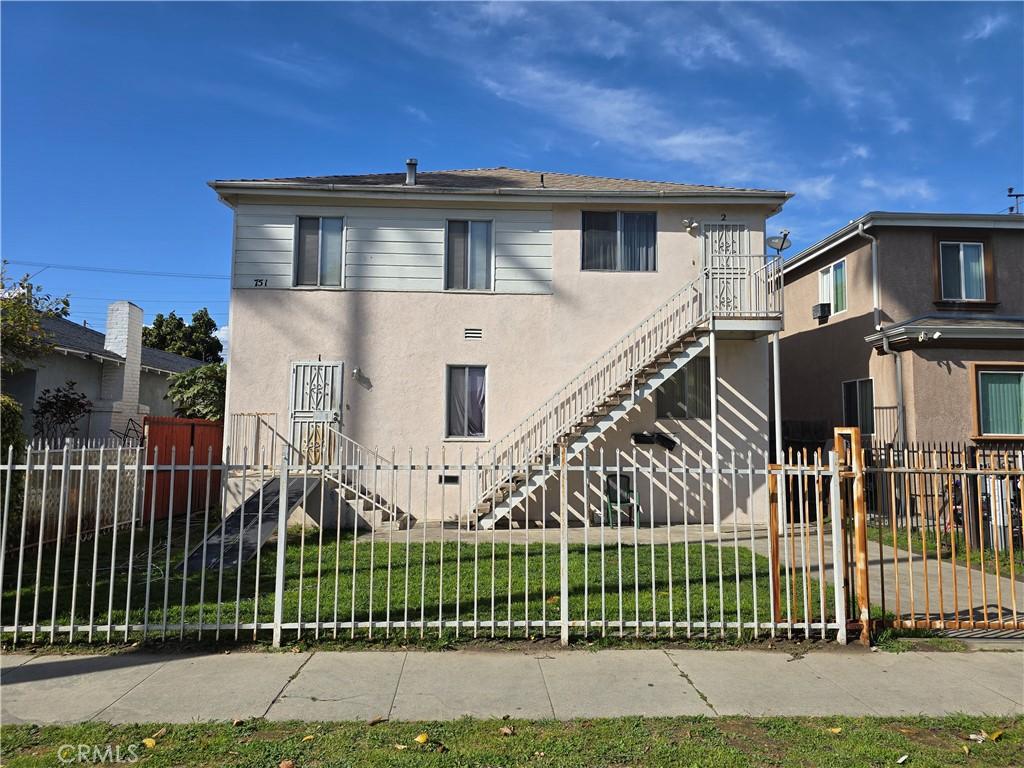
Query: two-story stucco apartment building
{"points": [[500, 312], [910, 326]]}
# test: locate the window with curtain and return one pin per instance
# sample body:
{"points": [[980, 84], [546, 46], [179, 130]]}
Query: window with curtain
{"points": [[620, 241], [687, 393], [469, 256], [1001, 402], [859, 405], [832, 286], [962, 271], [318, 251], [467, 394]]}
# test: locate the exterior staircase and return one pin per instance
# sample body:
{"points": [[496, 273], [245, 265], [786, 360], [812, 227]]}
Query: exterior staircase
{"points": [[611, 386]]}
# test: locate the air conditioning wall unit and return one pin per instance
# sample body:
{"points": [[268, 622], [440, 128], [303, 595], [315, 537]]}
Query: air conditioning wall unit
{"points": [[821, 311]]}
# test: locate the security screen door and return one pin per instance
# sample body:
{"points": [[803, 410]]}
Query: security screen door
{"points": [[726, 247], [315, 409]]}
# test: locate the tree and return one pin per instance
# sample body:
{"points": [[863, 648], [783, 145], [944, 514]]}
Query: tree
{"points": [[199, 393], [195, 340], [58, 412], [22, 309]]}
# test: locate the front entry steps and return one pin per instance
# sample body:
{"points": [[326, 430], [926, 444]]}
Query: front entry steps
{"points": [[498, 508]]}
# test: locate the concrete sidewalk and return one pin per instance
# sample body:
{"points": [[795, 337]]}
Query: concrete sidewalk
{"points": [[362, 685]]}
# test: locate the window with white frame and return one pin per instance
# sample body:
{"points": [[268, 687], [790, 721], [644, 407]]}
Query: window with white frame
{"points": [[1001, 402], [469, 256], [687, 393], [467, 401], [832, 286], [859, 405], [318, 251], [620, 241], [962, 271]]}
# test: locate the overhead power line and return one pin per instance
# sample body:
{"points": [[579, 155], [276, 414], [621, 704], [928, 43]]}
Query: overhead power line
{"points": [[118, 270]]}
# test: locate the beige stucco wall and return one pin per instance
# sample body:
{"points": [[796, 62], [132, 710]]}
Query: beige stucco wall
{"points": [[817, 357], [532, 344]]}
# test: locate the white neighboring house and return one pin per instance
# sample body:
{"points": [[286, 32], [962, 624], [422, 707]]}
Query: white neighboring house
{"points": [[500, 313], [123, 379]]}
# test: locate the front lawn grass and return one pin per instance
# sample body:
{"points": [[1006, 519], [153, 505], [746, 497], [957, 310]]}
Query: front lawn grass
{"points": [[641, 742], [408, 580]]}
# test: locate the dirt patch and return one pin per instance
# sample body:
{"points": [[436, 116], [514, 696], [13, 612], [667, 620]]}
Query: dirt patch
{"points": [[749, 738], [927, 737]]}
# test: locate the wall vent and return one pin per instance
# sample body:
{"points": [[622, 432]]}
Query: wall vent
{"points": [[473, 333]]}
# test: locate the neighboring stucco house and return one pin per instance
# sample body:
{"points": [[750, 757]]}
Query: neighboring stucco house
{"points": [[454, 310], [123, 379], [910, 326]]}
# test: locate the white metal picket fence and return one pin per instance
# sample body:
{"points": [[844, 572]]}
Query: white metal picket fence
{"points": [[618, 543]]}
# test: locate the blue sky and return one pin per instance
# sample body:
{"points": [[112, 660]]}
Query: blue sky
{"points": [[115, 116]]}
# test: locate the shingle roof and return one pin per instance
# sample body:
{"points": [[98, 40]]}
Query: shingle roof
{"points": [[68, 335], [482, 179]]}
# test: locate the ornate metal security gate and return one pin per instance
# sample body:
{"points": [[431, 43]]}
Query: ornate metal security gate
{"points": [[727, 260], [315, 406]]}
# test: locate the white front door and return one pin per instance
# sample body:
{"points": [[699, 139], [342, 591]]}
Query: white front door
{"points": [[726, 255], [315, 410]]}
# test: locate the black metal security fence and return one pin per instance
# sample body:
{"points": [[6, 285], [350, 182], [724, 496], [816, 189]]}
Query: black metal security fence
{"points": [[639, 543]]}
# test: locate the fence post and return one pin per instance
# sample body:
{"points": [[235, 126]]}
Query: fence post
{"points": [[563, 543], [282, 543], [838, 540], [860, 528], [773, 543]]}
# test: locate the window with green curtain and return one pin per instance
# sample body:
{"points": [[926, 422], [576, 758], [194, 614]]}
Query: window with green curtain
{"points": [[839, 286], [1001, 395]]}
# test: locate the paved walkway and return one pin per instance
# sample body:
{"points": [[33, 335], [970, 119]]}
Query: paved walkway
{"points": [[146, 687]]}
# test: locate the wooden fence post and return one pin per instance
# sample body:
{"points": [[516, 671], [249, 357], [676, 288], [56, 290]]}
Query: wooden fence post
{"points": [[860, 527]]}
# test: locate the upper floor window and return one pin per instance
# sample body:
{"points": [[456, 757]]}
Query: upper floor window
{"points": [[1001, 402], [469, 256], [832, 286], [859, 405], [619, 241], [687, 393], [962, 271], [318, 251]]}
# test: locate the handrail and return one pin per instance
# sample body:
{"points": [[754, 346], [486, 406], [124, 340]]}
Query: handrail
{"points": [[731, 286]]}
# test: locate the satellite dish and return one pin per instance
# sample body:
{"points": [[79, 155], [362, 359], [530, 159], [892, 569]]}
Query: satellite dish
{"points": [[779, 242]]}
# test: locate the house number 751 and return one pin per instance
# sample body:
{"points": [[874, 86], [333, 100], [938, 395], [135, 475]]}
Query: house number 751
{"points": [[259, 282]]}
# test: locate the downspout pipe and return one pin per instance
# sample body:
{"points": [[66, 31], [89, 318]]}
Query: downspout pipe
{"points": [[877, 309], [901, 426]]}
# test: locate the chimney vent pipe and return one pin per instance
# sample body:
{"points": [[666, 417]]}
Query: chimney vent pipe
{"points": [[410, 172]]}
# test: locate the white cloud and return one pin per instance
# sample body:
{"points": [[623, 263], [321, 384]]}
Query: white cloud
{"points": [[418, 113], [898, 188], [962, 108], [701, 45], [629, 117], [297, 66], [223, 335], [986, 26], [814, 188], [898, 124]]}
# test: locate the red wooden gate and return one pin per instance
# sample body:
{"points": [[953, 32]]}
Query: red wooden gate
{"points": [[169, 440]]}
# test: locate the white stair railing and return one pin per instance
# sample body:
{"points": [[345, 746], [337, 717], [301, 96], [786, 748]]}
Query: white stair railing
{"points": [[736, 286]]}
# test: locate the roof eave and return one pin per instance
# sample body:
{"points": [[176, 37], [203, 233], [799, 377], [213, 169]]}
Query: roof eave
{"points": [[537, 194], [887, 219]]}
